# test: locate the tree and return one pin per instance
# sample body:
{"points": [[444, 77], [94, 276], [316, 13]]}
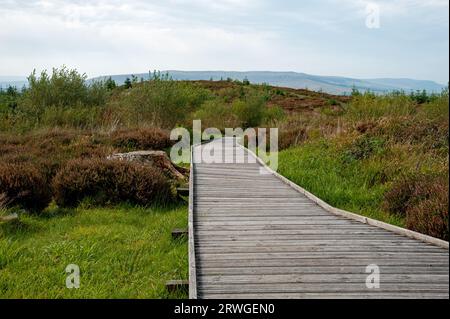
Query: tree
{"points": [[250, 111], [128, 84], [11, 91], [110, 84]]}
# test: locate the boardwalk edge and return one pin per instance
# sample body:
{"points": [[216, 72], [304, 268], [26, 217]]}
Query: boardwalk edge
{"points": [[192, 262]]}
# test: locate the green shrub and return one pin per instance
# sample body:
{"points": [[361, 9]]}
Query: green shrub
{"points": [[215, 113], [25, 186], [110, 182], [332, 102], [250, 111], [363, 147], [160, 102], [63, 87], [141, 139], [369, 106], [274, 114], [83, 117]]}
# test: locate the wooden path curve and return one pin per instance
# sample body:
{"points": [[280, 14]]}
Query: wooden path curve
{"points": [[254, 235]]}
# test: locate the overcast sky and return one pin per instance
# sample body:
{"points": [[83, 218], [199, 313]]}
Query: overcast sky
{"points": [[325, 37]]}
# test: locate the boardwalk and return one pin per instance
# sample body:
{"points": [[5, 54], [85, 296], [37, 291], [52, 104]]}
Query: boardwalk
{"points": [[252, 235]]}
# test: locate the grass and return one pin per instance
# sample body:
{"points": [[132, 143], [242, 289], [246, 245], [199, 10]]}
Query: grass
{"points": [[317, 167], [122, 252]]}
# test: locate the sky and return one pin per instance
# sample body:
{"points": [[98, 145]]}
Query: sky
{"points": [[354, 38]]}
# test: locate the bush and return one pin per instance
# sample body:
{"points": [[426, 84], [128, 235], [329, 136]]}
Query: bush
{"points": [[368, 106], [216, 114], [159, 102], [250, 111], [64, 88], [110, 182], [363, 147], [274, 114], [423, 200], [292, 137], [23, 185], [63, 98], [430, 215], [143, 139]]}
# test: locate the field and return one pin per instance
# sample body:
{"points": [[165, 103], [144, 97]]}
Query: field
{"points": [[122, 252], [383, 156]]}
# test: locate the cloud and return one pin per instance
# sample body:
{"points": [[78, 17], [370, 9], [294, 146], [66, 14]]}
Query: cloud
{"points": [[120, 37], [326, 37]]}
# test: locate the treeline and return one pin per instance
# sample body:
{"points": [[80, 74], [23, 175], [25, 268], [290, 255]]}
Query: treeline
{"points": [[65, 98]]}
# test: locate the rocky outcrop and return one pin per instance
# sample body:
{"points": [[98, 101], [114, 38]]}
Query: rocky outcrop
{"points": [[157, 159]]}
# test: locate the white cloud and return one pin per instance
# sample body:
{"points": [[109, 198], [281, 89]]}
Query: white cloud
{"points": [[327, 37]]}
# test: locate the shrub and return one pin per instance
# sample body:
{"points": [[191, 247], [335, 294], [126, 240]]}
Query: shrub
{"points": [[250, 111], [23, 185], [423, 200], [143, 138], [430, 215], [160, 102], [369, 106], [274, 114], [216, 114], [110, 182], [64, 87], [292, 137], [363, 147], [431, 134], [63, 98]]}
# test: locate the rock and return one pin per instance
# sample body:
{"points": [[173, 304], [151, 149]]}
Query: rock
{"points": [[157, 159]]}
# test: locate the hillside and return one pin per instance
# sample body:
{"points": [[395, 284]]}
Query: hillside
{"points": [[329, 84]]}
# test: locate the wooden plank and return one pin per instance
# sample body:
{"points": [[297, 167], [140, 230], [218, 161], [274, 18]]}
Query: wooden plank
{"points": [[320, 287], [327, 295], [322, 278], [325, 269]]}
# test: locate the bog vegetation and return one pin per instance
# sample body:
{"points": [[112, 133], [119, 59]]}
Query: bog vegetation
{"points": [[383, 156]]}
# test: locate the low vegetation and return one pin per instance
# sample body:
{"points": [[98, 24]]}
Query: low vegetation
{"points": [[122, 252], [106, 182], [385, 157]]}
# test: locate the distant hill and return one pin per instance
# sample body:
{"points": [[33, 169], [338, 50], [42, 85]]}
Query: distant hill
{"points": [[329, 84], [17, 81]]}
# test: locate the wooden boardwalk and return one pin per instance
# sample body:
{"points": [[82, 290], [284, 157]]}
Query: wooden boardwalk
{"points": [[254, 235]]}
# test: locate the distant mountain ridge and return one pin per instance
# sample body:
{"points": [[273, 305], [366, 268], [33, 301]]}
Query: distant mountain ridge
{"points": [[329, 84]]}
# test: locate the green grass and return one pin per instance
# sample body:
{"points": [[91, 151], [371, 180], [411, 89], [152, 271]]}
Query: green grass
{"points": [[122, 252], [354, 186]]}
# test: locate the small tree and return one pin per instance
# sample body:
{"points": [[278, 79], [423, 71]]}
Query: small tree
{"points": [[128, 84], [110, 84], [250, 111]]}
